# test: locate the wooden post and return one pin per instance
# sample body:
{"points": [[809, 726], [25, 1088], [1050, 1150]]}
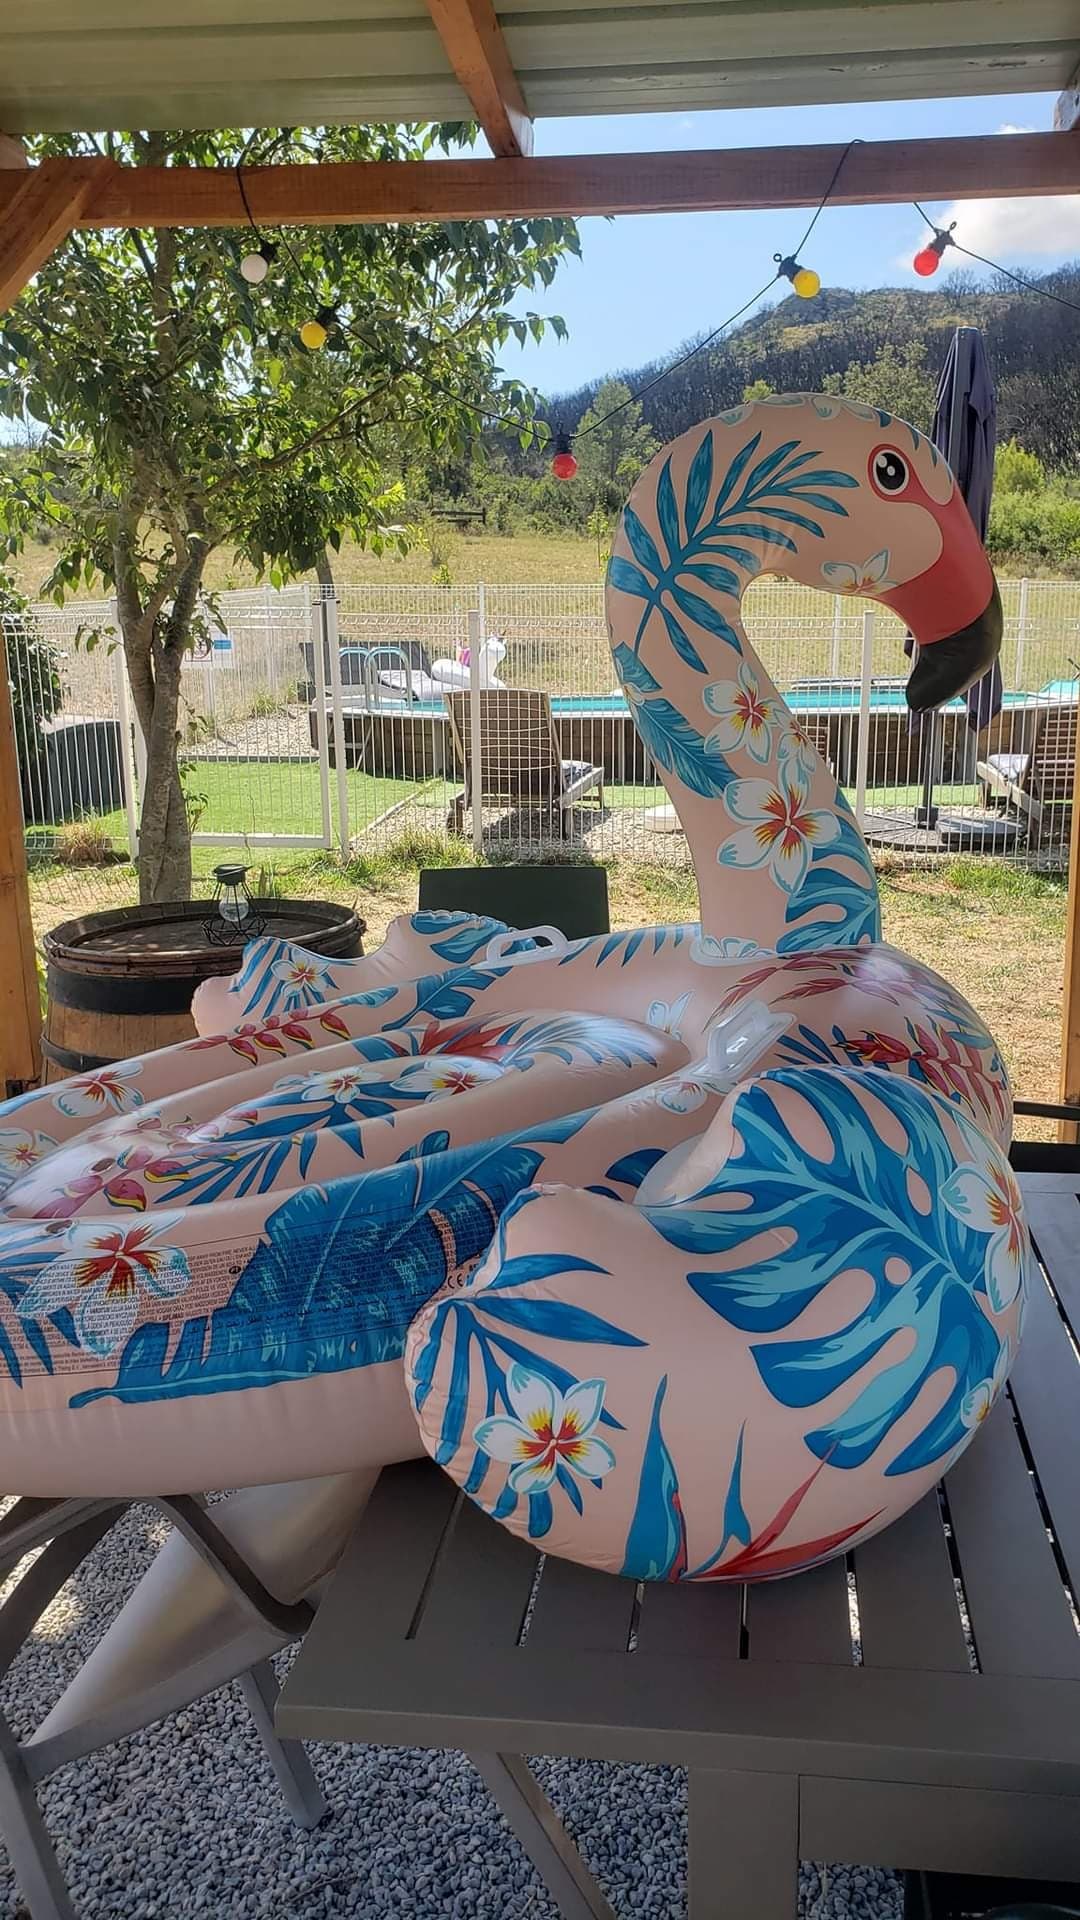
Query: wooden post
{"points": [[20, 1008], [1070, 1006]]}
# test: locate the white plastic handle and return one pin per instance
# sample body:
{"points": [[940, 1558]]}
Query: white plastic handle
{"points": [[735, 1042], [555, 943]]}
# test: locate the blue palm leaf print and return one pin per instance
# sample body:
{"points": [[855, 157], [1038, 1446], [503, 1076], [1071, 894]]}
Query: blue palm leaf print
{"points": [[811, 913], [852, 1212], [752, 496]]}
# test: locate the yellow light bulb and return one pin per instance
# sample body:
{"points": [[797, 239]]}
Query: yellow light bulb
{"points": [[806, 283], [313, 335]]}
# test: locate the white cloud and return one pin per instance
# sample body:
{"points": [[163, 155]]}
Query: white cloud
{"points": [[1002, 229]]}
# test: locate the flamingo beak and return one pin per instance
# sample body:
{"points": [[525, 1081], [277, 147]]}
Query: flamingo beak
{"points": [[954, 663], [953, 611]]}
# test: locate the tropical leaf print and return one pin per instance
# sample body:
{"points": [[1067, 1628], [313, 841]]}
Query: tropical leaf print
{"points": [[656, 1542], [751, 497], [811, 915], [800, 1222], [339, 1274], [668, 735], [457, 937], [25, 1341], [441, 996], [492, 1323]]}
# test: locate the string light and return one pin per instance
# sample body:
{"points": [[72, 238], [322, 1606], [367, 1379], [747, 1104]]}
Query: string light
{"points": [[315, 333], [804, 280], [256, 265], [563, 465], [1027, 286], [928, 258]]}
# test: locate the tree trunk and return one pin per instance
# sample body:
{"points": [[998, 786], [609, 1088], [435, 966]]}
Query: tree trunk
{"points": [[154, 650], [324, 572]]}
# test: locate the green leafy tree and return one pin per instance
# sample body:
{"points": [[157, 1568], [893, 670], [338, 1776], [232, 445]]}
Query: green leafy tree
{"points": [[612, 451], [178, 412], [897, 378]]}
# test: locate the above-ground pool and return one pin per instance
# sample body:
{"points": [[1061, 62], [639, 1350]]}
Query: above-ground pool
{"points": [[824, 696], [411, 740]]}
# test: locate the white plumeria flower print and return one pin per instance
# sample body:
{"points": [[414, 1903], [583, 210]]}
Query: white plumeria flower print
{"points": [[745, 717], [102, 1274], [20, 1152], [442, 1075], [303, 974], [846, 576], [987, 1199], [782, 830], [668, 1019], [338, 1085], [796, 748], [547, 1429], [708, 951], [107, 1090], [977, 1404]]}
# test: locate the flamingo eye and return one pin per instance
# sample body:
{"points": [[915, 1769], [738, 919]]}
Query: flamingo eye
{"points": [[889, 471]]}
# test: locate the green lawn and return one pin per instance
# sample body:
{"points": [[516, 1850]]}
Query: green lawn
{"points": [[243, 797]]}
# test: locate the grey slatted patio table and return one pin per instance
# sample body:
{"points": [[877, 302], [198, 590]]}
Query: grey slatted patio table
{"points": [[943, 1734]]}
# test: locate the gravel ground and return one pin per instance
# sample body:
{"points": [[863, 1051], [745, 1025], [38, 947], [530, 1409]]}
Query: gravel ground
{"points": [[185, 1818]]}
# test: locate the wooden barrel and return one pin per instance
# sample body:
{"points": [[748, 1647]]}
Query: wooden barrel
{"points": [[121, 983]]}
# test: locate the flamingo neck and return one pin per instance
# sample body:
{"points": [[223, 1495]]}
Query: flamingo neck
{"points": [[779, 859]]}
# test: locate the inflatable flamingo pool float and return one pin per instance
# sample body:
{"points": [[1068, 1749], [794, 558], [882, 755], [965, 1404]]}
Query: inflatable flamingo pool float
{"points": [[691, 1251]]}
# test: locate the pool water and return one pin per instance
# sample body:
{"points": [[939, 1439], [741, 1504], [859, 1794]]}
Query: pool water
{"points": [[827, 696]]}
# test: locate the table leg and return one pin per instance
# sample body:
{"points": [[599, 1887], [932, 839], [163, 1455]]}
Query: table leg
{"points": [[303, 1795], [744, 1845], [511, 1782]]}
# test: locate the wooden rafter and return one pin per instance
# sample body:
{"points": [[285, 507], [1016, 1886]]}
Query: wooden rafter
{"points": [[43, 204], [879, 173], [473, 42]]}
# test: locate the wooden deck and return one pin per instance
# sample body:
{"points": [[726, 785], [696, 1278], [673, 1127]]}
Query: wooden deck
{"points": [[915, 1705]]}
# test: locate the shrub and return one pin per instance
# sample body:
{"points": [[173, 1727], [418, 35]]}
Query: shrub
{"points": [[83, 843], [1017, 471]]}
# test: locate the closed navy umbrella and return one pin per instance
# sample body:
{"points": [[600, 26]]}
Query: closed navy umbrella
{"points": [[965, 430]]}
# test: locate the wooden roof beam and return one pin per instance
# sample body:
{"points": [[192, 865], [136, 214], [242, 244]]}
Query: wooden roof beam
{"points": [[973, 167], [43, 205], [474, 45]]}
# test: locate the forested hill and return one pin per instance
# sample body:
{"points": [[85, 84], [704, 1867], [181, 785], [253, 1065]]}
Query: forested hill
{"points": [[886, 346]]}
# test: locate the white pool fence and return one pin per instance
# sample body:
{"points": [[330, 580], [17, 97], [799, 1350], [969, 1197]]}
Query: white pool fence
{"points": [[310, 722]]}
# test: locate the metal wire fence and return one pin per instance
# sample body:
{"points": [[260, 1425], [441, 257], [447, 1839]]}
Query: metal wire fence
{"points": [[311, 721]]}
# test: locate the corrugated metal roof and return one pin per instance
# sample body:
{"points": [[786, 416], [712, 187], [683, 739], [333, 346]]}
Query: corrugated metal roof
{"points": [[68, 64]]}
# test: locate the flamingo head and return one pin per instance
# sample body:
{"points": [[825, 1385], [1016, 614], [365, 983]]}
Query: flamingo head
{"points": [[924, 558], [952, 607]]}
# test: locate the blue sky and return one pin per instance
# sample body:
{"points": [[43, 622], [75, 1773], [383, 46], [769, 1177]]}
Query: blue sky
{"points": [[647, 282]]}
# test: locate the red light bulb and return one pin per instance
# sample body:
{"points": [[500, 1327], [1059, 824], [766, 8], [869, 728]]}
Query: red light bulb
{"points": [[927, 261], [564, 466]]}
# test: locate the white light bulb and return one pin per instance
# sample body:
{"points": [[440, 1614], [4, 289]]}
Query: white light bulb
{"points": [[254, 268]]}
